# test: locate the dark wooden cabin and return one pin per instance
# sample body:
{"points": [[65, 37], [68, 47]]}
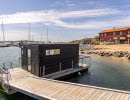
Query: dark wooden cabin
{"points": [[45, 59]]}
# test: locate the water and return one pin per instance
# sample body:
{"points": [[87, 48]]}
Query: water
{"points": [[109, 72], [7, 55]]}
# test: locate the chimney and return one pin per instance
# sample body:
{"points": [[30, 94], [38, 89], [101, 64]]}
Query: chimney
{"points": [[113, 27]]}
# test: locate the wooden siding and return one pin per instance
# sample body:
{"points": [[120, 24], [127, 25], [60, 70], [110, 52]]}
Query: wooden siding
{"points": [[68, 53], [42, 64], [24, 58], [35, 60]]}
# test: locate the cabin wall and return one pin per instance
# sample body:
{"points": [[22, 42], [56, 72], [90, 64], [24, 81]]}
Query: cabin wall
{"points": [[68, 53]]}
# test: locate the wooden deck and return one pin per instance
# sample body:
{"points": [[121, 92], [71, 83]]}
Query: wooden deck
{"points": [[40, 88], [66, 72]]}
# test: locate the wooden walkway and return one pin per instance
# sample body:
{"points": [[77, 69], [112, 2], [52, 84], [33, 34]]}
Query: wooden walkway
{"points": [[41, 88]]}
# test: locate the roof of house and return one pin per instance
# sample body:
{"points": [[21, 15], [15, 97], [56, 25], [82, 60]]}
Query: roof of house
{"points": [[116, 29]]}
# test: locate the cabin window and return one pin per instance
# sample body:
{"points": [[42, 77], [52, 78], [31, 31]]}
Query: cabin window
{"points": [[52, 52]]}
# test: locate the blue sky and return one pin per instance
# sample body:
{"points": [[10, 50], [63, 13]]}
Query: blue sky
{"points": [[66, 19]]}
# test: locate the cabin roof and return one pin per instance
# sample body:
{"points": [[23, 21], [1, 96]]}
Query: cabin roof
{"points": [[50, 44], [116, 29]]}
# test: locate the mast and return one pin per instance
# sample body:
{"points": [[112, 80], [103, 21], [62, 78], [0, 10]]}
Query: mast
{"points": [[3, 31], [47, 34], [29, 33], [41, 36], [32, 38]]}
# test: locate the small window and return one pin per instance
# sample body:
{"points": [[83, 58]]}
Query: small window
{"points": [[129, 32], [105, 34], [114, 33], [101, 34], [121, 33], [110, 39], [52, 52]]}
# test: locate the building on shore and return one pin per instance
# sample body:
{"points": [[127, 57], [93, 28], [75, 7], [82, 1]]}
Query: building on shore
{"points": [[115, 36]]}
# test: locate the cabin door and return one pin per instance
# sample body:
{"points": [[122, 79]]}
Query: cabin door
{"points": [[29, 59]]}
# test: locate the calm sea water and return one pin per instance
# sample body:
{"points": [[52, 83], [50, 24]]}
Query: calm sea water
{"points": [[109, 72]]}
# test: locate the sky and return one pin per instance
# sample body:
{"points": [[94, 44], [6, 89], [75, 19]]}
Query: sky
{"points": [[66, 20]]}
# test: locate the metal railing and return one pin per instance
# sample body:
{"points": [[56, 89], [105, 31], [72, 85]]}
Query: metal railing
{"points": [[82, 59], [5, 76], [85, 60]]}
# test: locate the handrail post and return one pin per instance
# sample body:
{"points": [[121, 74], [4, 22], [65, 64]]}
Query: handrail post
{"points": [[72, 64], [19, 62], [82, 61], [43, 71], [60, 66]]}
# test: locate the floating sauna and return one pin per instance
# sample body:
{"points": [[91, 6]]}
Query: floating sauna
{"points": [[45, 59]]}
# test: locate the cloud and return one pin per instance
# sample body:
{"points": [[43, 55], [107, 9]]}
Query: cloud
{"points": [[54, 17]]}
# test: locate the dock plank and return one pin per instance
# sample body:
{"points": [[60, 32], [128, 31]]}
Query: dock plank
{"points": [[40, 88]]}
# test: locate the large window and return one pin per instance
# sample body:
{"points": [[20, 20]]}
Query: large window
{"points": [[52, 52]]}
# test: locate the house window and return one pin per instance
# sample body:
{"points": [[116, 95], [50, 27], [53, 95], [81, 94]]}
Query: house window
{"points": [[129, 32], [109, 39], [114, 33], [105, 34], [52, 52], [101, 34], [121, 33]]}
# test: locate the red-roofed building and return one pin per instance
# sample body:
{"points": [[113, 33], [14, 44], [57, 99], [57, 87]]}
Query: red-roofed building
{"points": [[116, 35]]}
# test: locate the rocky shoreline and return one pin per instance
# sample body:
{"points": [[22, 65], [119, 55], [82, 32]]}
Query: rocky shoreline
{"points": [[124, 54]]}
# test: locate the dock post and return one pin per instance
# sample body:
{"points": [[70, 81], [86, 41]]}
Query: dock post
{"points": [[60, 66], [19, 62]]}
